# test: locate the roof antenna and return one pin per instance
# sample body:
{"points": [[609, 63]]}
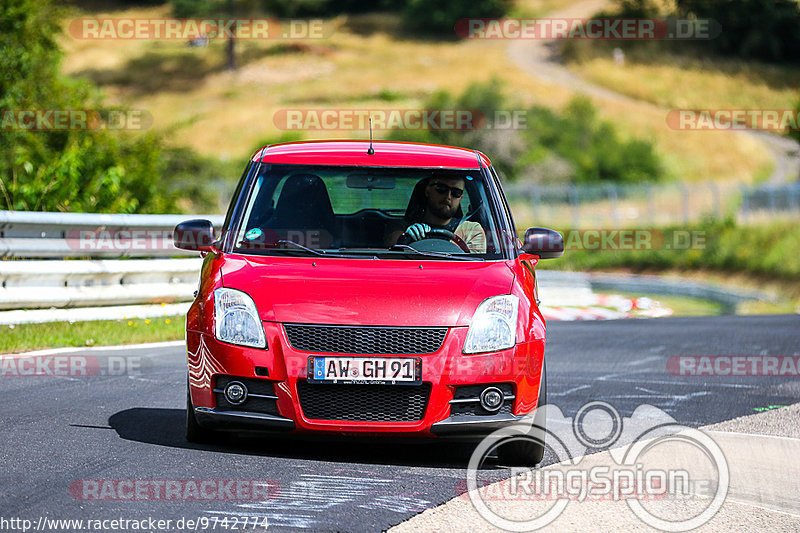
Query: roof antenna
{"points": [[370, 150]]}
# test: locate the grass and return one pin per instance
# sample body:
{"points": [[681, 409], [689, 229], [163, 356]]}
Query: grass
{"points": [[26, 337], [682, 305], [678, 81], [764, 258], [537, 8], [365, 62], [770, 250]]}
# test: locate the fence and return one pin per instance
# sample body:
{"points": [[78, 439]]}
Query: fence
{"points": [[619, 206]]}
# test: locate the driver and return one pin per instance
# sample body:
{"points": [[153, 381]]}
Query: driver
{"points": [[442, 199]]}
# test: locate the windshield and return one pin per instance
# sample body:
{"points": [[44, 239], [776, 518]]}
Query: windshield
{"points": [[370, 212]]}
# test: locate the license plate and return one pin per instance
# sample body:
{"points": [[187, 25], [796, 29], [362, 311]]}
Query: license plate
{"points": [[374, 370]]}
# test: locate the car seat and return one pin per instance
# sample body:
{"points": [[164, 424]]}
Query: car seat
{"points": [[305, 206]]}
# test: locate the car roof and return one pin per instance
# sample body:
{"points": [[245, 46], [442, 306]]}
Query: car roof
{"points": [[387, 154]]}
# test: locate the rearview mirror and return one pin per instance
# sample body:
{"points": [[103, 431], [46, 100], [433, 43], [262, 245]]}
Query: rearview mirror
{"points": [[368, 181], [196, 234], [544, 242]]}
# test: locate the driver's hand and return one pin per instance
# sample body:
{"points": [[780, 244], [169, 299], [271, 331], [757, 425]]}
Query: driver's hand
{"points": [[416, 232]]}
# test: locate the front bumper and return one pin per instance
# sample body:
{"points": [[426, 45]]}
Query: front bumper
{"points": [[221, 419], [474, 425], [286, 369]]}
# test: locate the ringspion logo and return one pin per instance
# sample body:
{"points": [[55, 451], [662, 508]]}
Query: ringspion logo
{"points": [[634, 470]]}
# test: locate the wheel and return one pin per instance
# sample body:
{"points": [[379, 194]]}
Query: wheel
{"points": [[528, 451], [194, 431], [448, 236], [438, 233]]}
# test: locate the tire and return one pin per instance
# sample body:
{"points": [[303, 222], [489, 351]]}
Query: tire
{"points": [[195, 432], [527, 451]]}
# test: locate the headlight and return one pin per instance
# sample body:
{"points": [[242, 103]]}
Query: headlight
{"points": [[236, 320], [494, 325]]}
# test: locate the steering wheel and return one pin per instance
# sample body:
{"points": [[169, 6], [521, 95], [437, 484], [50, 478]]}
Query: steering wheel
{"points": [[448, 236]]}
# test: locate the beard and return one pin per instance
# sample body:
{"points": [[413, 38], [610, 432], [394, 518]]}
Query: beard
{"points": [[444, 210]]}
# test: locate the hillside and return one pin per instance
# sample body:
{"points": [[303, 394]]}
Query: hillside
{"points": [[363, 62]]}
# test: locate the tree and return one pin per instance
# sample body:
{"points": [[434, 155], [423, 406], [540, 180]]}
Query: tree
{"points": [[439, 17], [795, 134], [753, 29], [216, 9], [66, 169]]}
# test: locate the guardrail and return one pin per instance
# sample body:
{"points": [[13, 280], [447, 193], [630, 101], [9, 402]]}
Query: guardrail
{"points": [[41, 269], [57, 235], [37, 283], [43, 284]]}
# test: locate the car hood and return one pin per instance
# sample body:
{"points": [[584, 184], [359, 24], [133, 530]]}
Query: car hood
{"points": [[376, 292]]}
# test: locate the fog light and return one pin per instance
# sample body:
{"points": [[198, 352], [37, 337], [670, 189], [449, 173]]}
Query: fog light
{"points": [[492, 399], [236, 392]]}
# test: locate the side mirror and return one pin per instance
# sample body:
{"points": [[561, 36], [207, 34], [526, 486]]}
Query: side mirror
{"points": [[196, 234], [544, 242]]}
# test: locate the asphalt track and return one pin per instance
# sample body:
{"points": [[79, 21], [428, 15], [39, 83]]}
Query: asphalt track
{"points": [[58, 431]]}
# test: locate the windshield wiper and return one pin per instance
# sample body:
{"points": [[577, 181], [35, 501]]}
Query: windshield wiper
{"points": [[301, 247], [407, 248], [322, 253]]}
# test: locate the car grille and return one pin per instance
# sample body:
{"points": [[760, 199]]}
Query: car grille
{"points": [[364, 340], [364, 403]]}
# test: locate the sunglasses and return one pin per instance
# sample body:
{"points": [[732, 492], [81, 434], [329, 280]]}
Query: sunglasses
{"points": [[441, 188]]}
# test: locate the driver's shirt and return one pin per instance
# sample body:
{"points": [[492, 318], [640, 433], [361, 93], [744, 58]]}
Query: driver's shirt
{"points": [[472, 234]]}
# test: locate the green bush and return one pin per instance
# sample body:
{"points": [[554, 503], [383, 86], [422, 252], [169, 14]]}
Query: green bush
{"points": [[572, 146], [764, 30], [280, 8], [771, 250], [795, 134], [768, 30], [592, 146]]}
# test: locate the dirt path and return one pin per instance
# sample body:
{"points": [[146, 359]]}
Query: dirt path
{"points": [[541, 59]]}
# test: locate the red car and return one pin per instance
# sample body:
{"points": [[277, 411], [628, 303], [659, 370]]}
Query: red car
{"points": [[362, 288]]}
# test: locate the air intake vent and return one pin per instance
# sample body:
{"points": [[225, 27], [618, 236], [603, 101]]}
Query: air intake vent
{"points": [[363, 403]]}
